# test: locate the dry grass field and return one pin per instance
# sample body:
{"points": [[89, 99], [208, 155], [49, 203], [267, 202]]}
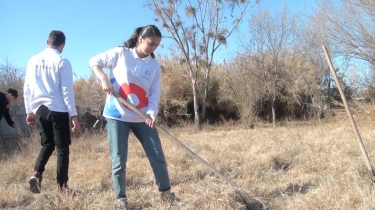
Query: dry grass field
{"points": [[297, 165]]}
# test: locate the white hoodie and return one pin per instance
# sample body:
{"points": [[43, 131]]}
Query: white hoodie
{"points": [[49, 82], [135, 79]]}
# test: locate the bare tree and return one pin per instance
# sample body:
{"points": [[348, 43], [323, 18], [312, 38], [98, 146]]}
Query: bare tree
{"points": [[347, 28], [349, 25], [11, 77], [242, 87], [315, 72], [271, 51], [199, 28]]}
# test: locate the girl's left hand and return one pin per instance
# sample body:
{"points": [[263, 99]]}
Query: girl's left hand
{"points": [[150, 121]]}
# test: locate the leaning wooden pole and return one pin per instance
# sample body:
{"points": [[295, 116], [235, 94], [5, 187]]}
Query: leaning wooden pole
{"points": [[242, 193], [359, 139]]}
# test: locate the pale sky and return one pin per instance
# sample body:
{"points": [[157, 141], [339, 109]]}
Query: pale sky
{"points": [[91, 27]]}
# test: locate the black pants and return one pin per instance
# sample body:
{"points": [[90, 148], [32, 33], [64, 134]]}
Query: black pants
{"points": [[54, 130]]}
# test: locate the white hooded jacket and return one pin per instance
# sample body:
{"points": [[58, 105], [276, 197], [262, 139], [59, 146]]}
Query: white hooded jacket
{"points": [[135, 79], [49, 82]]}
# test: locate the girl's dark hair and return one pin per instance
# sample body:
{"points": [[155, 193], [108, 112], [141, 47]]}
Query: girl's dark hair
{"points": [[144, 32]]}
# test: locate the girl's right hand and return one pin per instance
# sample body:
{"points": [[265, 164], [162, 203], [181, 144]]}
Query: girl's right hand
{"points": [[107, 87]]}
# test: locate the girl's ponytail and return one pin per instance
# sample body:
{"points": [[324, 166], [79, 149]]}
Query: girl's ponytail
{"points": [[132, 41]]}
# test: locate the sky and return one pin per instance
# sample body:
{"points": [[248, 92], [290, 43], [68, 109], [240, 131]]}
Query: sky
{"points": [[90, 27]]}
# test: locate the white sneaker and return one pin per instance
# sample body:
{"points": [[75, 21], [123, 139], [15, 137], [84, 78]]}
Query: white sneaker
{"points": [[171, 199], [123, 203]]}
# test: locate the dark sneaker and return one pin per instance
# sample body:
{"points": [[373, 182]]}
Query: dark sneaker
{"points": [[171, 199], [35, 182]]}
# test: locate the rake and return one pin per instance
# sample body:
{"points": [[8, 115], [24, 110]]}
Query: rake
{"points": [[246, 198]]}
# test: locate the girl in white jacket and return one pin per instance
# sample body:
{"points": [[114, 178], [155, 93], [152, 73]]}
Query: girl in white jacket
{"points": [[135, 75]]}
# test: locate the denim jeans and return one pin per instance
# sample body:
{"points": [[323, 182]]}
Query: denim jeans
{"points": [[118, 134], [54, 131]]}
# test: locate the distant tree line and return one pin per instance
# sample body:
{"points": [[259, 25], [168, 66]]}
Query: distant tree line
{"points": [[278, 72]]}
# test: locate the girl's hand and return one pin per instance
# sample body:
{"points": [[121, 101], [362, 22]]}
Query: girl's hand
{"points": [[107, 87], [150, 121]]}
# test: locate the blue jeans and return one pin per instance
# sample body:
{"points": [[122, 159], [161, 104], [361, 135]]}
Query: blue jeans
{"points": [[118, 134]]}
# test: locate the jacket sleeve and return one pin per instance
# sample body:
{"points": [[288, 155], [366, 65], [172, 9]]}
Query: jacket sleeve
{"points": [[154, 94], [107, 59], [67, 90], [8, 118], [26, 89]]}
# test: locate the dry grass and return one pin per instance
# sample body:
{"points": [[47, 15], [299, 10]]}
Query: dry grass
{"points": [[294, 166]]}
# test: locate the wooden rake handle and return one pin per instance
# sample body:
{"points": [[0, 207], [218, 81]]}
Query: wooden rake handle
{"points": [[359, 139]]}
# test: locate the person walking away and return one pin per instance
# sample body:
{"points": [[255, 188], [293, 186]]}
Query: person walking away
{"points": [[7, 102], [49, 103], [135, 75]]}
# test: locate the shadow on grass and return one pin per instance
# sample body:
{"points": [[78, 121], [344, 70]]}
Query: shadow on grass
{"points": [[292, 189]]}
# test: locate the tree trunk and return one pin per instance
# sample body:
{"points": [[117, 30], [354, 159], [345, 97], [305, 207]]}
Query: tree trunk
{"points": [[273, 105], [204, 103], [196, 105]]}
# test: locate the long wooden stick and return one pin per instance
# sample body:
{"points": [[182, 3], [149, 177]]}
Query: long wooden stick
{"points": [[359, 139]]}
